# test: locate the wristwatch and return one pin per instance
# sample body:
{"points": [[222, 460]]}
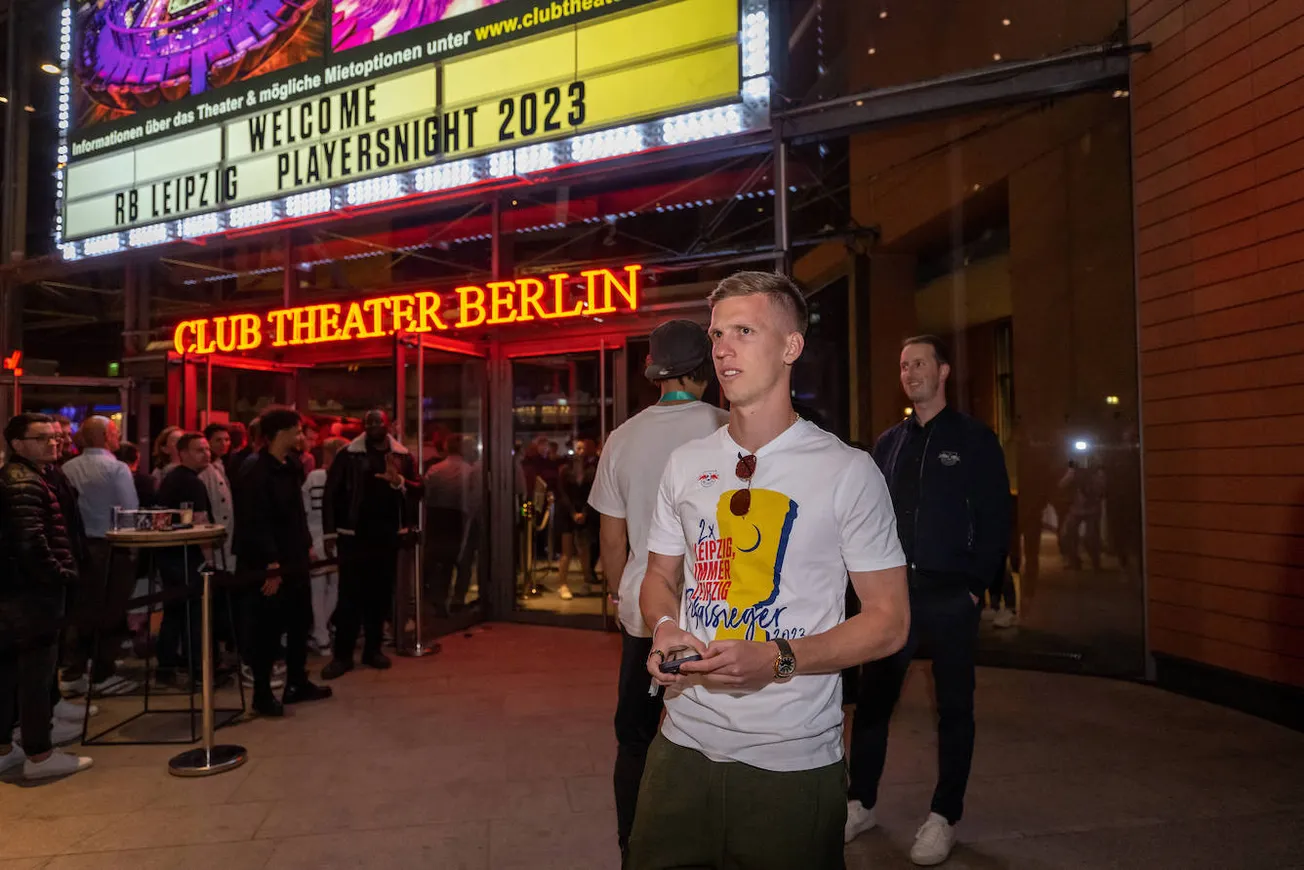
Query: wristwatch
{"points": [[786, 664]]}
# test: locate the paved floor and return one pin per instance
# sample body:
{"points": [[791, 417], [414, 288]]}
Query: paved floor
{"points": [[497, 754]]}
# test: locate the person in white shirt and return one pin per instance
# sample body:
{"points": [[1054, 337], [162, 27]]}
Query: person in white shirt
{"points": [[102, 483], [624, 493], [325, 582], [766, 517], [219, 489]]}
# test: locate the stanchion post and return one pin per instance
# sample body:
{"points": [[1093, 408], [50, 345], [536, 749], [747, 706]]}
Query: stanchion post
{"points": [[209, 759]]}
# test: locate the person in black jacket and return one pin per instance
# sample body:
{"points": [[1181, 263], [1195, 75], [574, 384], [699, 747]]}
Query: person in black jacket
{"points": [[946, 472], [179, 633], [36, 566], [373, 491], [271, 535]]}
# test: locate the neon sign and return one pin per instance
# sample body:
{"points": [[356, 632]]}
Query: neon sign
{"points": [[523, 300], [13, 363]]}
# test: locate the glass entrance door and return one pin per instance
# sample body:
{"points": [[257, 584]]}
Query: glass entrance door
{"points": [[442, 420], [563, 407]]}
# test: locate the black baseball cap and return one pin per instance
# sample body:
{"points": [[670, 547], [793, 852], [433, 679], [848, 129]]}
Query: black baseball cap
{"points": [[678, 347]]}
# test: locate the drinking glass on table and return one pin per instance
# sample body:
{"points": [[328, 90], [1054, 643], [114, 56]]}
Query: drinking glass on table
{"points": [[187, 513]]}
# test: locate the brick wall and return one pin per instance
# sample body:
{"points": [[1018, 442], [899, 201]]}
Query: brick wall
{"points": [[1218, 140]]}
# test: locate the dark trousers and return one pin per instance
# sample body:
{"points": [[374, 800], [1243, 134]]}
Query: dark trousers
{"points": [[103, 590], [179, 634], [367, 574], [638, 716], [288, 612], [946, 623], [446, 528], [26, 673], [708, 815]]}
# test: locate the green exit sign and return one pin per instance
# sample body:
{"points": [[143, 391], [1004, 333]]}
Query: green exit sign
{"points": [[115, 369]]}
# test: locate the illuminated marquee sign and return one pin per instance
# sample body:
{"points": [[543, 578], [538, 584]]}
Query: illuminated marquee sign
{"points": [[426, 115], [524, 300]]}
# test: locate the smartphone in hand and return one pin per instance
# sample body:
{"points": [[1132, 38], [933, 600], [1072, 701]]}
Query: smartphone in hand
{"points": [[677, 656]]}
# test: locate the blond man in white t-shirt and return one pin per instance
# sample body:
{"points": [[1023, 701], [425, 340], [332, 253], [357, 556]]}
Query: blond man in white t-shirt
{"points": [[624, 493], [766, 517]]}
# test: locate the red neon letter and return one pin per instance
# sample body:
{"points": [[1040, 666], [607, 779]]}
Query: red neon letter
{"points": [[428, 312], [279, 318], [377, 308], [531, 296], [467, 304], [611, 282], [353, 323], [330, 322], [180, 338], [402, 308], [559, 298], [302, 331], [248, 332], [500, 298]]}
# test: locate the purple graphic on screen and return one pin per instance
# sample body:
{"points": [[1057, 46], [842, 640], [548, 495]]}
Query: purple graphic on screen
{"points": [[361, 22], [138, 54]]}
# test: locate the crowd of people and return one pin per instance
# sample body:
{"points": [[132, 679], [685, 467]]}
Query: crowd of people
{"points": [[314, 532]]}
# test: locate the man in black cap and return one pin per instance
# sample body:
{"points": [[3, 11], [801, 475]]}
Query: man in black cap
{"points": [[372, 492], [624, 493]]}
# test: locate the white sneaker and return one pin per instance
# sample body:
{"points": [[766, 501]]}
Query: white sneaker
{"points": [[58, 764], [115, 685], [15, 758], [1006, 619], [934, 842], [74, 687], [73, 711], [859, 820], [565, 593], [61, 732]]}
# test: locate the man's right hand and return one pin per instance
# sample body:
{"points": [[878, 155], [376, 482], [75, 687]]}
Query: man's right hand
{"points": [[667, 638], [272, 585]]}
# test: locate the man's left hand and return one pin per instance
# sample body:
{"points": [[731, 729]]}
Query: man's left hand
{"points": [[735, 665], [392, 477]]}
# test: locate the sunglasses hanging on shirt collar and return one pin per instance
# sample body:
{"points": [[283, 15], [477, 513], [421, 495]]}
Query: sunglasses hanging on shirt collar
{"points": [[741, 502]]}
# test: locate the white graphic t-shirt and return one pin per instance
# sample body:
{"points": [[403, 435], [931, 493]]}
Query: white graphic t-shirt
{"points": [[628, 476], [819, 509]]}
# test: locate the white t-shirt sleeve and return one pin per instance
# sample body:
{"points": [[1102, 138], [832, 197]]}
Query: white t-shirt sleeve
{"points": [[605, 497], [666, 535], [866, 518]]}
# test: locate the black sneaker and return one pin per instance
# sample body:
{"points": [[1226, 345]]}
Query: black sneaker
{"points": [[296, 693], [377, 660], [267, 705], [335, 669]]}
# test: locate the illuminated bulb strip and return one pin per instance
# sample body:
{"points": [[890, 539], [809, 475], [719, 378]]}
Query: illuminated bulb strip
{"points": [[305, 204], [200, 225], [143, 237], [756, 92], [502, 165], [106, 244], [756, 43], [696, 126], [535, 158], [444, 176], [251, 215], [69, 251], [375, 190], [608, 143]]}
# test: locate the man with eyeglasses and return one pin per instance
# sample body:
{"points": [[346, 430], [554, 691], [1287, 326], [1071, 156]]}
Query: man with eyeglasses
{"points": [[36, 566], [767, 517]]}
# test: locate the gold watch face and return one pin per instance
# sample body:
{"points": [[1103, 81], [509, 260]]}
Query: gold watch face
{"points": [[785, 667]]}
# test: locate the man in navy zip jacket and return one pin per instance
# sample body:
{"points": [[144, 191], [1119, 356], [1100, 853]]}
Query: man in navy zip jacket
{"points": [[946, 472]]}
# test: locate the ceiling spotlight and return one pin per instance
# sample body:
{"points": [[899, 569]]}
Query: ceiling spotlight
{"points": [[996, 56], [30, 108], [1005, 22], [873, 50], [883, 14], [51, 69]]}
